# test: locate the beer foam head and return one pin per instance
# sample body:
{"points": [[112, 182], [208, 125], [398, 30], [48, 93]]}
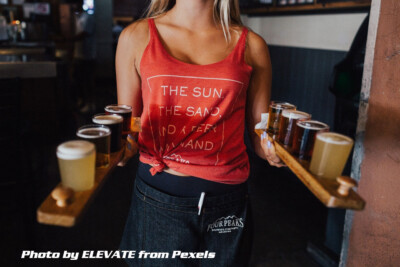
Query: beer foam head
{"points": [[334, 138], [118, 108], [93, 131], [107, 119], [312, 125], [295, 114], [75, 149]]}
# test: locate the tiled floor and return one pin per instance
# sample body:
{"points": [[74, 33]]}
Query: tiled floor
{"points": [[285, 215]]}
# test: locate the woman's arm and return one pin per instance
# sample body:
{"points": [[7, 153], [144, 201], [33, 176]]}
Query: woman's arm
{"points": [[259, 94], [131, 45]]}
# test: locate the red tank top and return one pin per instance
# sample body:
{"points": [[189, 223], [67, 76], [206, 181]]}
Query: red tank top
{"points": [[194, 115]]}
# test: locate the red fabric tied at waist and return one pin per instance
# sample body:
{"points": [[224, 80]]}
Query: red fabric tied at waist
{"points": [[158, 166]]}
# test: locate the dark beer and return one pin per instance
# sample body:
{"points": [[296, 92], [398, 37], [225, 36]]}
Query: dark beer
{"points": [[288, 123], [114, 122], [275, 111], [126, 112], [304, 137], [99, 135]]}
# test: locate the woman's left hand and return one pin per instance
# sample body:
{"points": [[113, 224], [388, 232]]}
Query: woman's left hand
{"points": [[268, 146]]}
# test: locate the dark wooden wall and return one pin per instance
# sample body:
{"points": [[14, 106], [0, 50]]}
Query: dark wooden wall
{"points": [[301, 76], [129, 8]]}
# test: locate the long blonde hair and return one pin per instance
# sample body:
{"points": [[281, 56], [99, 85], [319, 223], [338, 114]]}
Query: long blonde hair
{"points": [[225, 11]]}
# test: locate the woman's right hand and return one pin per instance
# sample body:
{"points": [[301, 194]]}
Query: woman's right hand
{"points": [[268, 147]]}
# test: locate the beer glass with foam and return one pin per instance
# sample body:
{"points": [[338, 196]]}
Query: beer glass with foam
{"points": [[114, 122], [330, 154], [99, 135], [304, 137], [76, 160], [126, 112], [275, 111]]}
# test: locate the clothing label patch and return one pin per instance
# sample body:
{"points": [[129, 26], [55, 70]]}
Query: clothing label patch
{"points": [[226, 224]]}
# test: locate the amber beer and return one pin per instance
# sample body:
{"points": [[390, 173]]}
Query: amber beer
{"points": [[76, 160], [99, 135], [331, 151], [126, 112], [288, 123], [275, 111], [114, 122], [304, 137]]}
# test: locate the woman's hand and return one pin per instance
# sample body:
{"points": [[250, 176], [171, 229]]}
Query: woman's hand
{"points": [[131, 149], [268, 146]]}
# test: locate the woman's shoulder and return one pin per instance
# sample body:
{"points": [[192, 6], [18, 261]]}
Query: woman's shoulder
{"points": [[253, 40], [133, 40], [256, 47], [135, 35], [135, 31], [256, 42]]}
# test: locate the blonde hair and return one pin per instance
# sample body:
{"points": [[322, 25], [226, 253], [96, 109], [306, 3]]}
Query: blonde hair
{"points": [[225, 11]]}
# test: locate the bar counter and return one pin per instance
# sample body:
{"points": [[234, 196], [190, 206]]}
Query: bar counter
{"points": [[27, 60]]}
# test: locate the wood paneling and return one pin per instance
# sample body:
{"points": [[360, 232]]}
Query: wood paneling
{"points": [[301, 76], [130, 8]]}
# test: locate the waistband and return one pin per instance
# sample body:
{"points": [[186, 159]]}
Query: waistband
{"points": [[211, 203], [184, 186]]}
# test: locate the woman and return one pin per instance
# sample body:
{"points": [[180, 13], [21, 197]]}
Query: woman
{"points": [[195, 76]]}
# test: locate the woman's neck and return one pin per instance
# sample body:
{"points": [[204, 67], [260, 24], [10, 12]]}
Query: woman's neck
{"points": [[195, 15]]}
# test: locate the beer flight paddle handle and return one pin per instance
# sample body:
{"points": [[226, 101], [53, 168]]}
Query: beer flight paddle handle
{"points": [[345, 184], [62, 195]]}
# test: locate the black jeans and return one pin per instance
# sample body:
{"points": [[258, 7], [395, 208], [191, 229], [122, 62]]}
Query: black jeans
{"points": [[159, 222]]}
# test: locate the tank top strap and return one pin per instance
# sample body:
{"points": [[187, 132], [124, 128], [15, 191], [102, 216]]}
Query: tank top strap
{"points": [[238, 53], [152, 29]]}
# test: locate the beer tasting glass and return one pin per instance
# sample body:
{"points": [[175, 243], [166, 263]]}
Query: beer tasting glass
{"points": [[136, 124], [331, 151], [275, 111], [76, 160], [288, 123], [99, 135], [114, 122], [304, 137], [126, 112]]}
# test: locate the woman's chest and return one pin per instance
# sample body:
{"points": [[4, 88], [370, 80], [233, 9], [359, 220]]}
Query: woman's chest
{"points": [[196, 49]]}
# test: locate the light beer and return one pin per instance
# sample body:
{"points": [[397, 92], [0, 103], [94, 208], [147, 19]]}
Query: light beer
{"points": [[76, 160], [288, 123], [331, 151], [275, 111], [304, 137], [114, 122], [126, 112], [99, 135]]}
